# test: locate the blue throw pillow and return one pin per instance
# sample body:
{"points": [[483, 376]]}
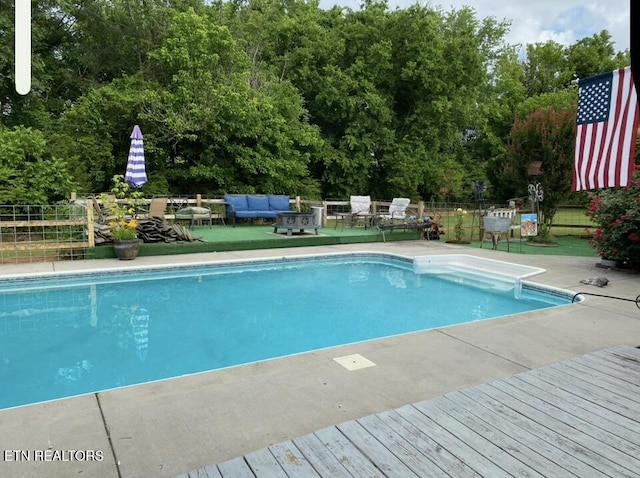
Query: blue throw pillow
{"points": [[239, 203], [258, 203], [278, 203]]}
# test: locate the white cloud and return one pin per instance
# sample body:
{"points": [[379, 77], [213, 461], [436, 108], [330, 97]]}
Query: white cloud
{"points": [[533, 21]]}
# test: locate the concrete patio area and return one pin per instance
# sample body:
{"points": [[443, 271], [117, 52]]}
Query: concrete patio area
{"points": [[174, 426]]}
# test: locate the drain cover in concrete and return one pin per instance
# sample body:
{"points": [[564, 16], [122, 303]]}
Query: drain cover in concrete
{"points": [[354, 362]]}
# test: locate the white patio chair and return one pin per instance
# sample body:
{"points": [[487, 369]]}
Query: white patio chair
{"points": [[360, 209], [397, 210]]}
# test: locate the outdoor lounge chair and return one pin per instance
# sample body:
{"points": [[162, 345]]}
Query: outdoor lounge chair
{"points": [[195, 215], [397, 210], [102, 208], [360, 208], [157, 208]]}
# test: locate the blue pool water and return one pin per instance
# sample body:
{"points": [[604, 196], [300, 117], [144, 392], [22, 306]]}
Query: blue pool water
{"points": [[71, 335]]}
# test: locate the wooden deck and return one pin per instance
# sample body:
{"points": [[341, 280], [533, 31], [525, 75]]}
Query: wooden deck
{"points": [[576, 418]]}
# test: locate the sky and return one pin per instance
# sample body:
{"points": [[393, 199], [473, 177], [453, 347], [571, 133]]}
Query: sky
{"points": [[533, 21]]}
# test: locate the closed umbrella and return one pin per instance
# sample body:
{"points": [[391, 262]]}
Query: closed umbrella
{"points": [[136, 175], [140, 326]]}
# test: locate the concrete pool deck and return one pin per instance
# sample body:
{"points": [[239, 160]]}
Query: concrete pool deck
{"points": [[175, 426]]}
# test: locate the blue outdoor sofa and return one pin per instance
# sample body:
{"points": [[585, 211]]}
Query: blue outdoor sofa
{"points": [[252, 206]]}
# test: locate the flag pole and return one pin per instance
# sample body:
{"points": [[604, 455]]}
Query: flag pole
{"points": [[634, 38]]}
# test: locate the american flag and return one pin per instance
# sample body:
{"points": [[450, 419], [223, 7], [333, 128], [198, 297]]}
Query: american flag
{"points": [[606, 131]]}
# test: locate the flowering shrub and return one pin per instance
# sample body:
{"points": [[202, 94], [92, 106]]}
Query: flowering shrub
{"points": [[123, 230], [617, 215]]}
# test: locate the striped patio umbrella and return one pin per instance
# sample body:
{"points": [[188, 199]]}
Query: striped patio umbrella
{"points": [[140, 326], [136, 175]]}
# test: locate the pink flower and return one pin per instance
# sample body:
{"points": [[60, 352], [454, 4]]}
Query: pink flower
{"points": [[633, 237]]}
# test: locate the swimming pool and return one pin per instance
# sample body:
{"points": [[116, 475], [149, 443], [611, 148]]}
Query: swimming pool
{"points": [[66, 335]]}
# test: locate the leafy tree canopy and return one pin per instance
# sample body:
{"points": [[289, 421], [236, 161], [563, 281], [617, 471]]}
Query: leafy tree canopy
{"points": [[282, 96]]}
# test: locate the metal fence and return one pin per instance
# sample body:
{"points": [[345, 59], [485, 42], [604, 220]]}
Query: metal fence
{"points": [[36, 233], [64, 231], [568, 221]]}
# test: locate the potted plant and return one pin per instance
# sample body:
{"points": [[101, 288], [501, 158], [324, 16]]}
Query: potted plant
{"points": [[125, 239], [122, 206]]}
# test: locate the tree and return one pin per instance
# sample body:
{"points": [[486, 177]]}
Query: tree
{"points": [[545, 135], [28, 173], [94, 134], [220, 132], [282, 96], [593, 55], [546, 68], [503, 94]]}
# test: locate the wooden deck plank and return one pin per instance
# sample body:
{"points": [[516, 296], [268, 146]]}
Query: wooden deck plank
{"points": [[599, 366], [624, 356], [602, 397], [292, 461], [400, 447], [422, 441], [320, 458], [576, 418], [477, 440], [383, 459], [517, 445], [602, 457], [630, 356], [346, 452], [472, 457], [608, 366], [603, 385], [607, 442], [633, 351], [499, 402], [609, 376], [264, 464], [206, 472], [522, 433], [235, 468], [600, 380], [581, 408]]}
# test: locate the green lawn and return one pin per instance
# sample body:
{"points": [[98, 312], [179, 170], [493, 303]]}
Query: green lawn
{"points": [[220, 238], [567, 222]]}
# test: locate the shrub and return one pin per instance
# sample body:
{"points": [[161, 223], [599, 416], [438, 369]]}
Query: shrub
{"points": [[123, 206], [617, 215]]}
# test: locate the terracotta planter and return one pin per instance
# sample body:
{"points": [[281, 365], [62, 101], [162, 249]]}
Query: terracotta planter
{"points": [[126, 250]]}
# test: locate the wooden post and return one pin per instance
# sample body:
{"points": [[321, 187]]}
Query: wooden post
{"points": [[91, 239], [198, 200], [324, 213]]}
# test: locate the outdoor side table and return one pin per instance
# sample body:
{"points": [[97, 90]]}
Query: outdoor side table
{"points": [[340, 218]]}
